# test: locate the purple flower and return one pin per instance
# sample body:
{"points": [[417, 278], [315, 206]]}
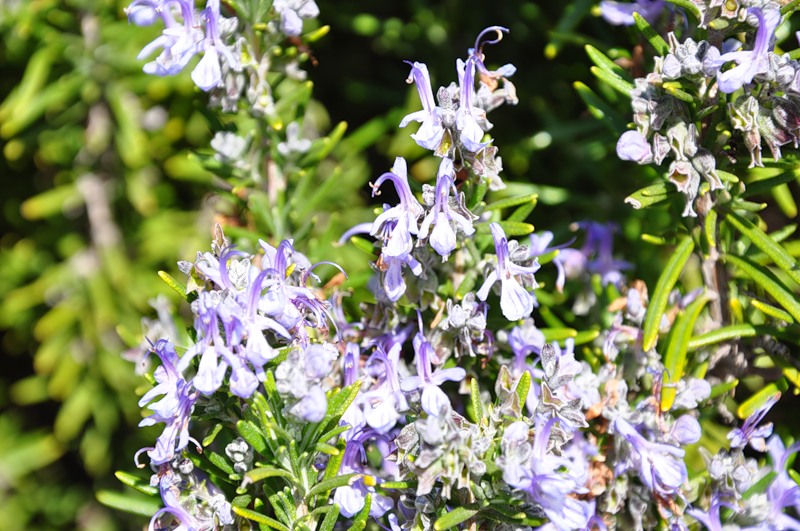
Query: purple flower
{"points": [[659, 466], [752, 62], [515, 301], [395, 225], [179, 40], [540, 245], [192, 500], [504, 71], [433, 399], [550, 480], [173, 409], [621, 14], [208, 74], [292, 14], [431, 132], [633, 146], [750, 432], [443, 216], [467, 115], [600, 244]]}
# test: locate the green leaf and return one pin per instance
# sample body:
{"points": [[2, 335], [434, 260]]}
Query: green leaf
{"points": [[179, 288], [614, 81], [652, 36], [331, 517], [475, 399], [767, 245], [211, 436], [603, 62], [524, 386], [398, 485], [140, 484], [332, 483], [558, 334], [726, 333], [675, 90], [689, 6], [511, 228], [723, 388], [599, 108], [337, 405], [360, 520], [771, 391], [760, 486], [678, 348], [365, 245], [509, 202], [770, 310], [260, 518], [650, 195], [263, 472], [658, 302], [771, 285], [456, 516], [129, 503], [252, 435], [219, 461]]}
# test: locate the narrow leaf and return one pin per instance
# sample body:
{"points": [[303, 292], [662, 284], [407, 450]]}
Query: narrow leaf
{"points": [[650, 195], [332, 483], [614, 81], [252, 435], [689, 6], [143, 506], [475, 398], [767, 245], [771, 285], [678, 348], [762, 396], [658, 302], [509, 202], [524, 386], [360, 520], [652, 36], [456, 516], [140, 484], [263, 472], [603, 62], [511, 228], [260, 518], [179, 288]]}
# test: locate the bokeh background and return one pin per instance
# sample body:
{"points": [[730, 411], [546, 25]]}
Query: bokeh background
{"points": [[99, 192]]}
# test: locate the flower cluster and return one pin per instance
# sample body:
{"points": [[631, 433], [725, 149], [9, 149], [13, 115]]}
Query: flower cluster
{"points": [[326, 412], [763, 104]]}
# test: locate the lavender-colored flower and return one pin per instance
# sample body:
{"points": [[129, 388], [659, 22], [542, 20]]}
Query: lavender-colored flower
{"points": [[633, 146], [433, 400], [208, 73], [443, 217], [178, 42], [659, 466], [547, 478], [173, 409], [292, 14], [395, 225], [351, 498], [515, 301], [504, 71], [540, 245], [750, 432], [394, 286], [600, 244], [621, 13], [431, 132], [467, 115], [751, 62], [190, 499]]}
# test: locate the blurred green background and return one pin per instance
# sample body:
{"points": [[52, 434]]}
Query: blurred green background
{"points": [[99, 193]]}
